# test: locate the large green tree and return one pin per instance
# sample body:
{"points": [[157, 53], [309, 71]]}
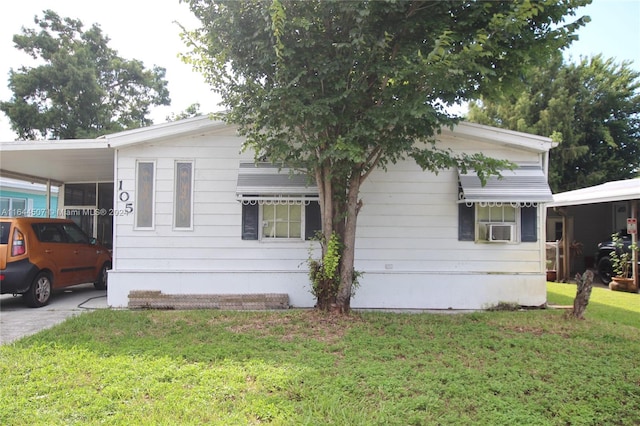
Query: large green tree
{"points": [[592, 106], [80, 87], [340, 88]]}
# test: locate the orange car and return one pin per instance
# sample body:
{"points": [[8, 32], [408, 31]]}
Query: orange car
{"points": [[38, 255]]}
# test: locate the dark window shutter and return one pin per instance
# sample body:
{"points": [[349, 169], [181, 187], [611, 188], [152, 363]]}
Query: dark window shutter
{"points": [[250, 214], [466, 222], [312, 221], [528, 224]]}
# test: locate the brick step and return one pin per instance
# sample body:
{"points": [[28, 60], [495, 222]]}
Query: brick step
{"points": [[151, 299]]}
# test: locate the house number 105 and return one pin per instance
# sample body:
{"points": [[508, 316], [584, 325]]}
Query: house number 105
{"points": [[124, 197]]}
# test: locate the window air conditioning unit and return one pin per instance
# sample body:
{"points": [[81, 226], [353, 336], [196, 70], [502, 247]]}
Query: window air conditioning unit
{"points": [[501, 232]]}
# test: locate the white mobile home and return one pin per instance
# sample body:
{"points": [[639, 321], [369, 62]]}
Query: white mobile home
{"points": [[194, 216]]}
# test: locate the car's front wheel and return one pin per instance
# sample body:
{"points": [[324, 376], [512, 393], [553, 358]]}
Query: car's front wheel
{"points": [[101, 281], [39, 293], [605, 270]]}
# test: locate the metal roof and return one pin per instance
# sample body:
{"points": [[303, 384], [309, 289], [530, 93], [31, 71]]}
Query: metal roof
{"points": [[620, 190], [259, 179], [93, 159], [80, 160], [525, 184]]}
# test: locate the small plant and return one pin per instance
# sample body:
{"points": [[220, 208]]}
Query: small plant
{"points": [[324, 273], [621, 257]]}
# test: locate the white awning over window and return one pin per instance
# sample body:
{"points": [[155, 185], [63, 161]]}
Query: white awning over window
{"points": [[266, 182], [526, 185]]}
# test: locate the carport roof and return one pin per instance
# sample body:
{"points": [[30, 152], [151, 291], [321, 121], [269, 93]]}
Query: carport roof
{"points": [[79, 160], [621, 190], [89, 160]]}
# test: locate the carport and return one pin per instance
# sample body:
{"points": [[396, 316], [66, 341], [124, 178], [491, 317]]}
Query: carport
{"points": [[60, 162], [584, 217], [78, 162]]}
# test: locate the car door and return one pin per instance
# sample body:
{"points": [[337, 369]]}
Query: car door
{"points": [[83, 253], [56, 253]]}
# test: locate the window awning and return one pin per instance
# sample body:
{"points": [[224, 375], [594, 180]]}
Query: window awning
{"points": [[270, 182], [526, 184]]}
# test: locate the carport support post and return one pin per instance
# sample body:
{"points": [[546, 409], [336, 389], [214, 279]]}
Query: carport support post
{"points": [[48, 214], [634, 240], [567, 237]]}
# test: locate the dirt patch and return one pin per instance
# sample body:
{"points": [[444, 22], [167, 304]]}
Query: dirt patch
{"points": [[309, 324], [537, 331]]}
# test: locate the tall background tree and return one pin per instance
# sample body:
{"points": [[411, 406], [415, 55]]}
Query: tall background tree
{"points": [[341, 88], [80, 87], [592, 107]]}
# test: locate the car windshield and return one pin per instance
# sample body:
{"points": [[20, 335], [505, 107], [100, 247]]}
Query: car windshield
{"points": [[4, 232]]}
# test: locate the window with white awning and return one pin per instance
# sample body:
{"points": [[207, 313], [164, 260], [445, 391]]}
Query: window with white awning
{"points": [[277, 203], [503, 210]]}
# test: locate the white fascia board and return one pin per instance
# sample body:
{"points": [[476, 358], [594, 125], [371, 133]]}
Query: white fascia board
{"points": [[522, 140], [54, 145]]}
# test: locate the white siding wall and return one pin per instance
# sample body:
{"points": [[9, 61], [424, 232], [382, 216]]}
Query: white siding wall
{"points": [[409, 222], [407, 243], [214, 244]]}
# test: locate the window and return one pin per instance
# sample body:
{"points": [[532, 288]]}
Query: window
{"points": [[4, 232], [183, 203], [497, 222], [49, 233], [80, 194], [281, 221], [89, 205], [84, 218], [13, 206], [75, 234], [145, 194], [288, 220]]}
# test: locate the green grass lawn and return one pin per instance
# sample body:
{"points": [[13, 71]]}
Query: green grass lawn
{"points": [[297, 367]]}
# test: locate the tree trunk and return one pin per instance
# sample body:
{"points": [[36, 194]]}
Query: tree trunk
{"points": [[325, 292], [348, 239], [583, 293], [339, 217]]}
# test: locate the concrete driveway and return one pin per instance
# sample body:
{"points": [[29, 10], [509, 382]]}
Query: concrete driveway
{"points": [[17, 320]]}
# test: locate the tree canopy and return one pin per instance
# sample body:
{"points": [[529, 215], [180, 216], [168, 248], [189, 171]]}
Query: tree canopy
{"points": [[340, 88], [592, 106], [192, 110], [80, 87]]}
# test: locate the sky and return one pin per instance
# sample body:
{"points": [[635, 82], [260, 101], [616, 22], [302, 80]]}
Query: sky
{"points": [[146, 30]]}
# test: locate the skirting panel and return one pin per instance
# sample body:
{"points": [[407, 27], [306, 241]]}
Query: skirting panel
{"points": [[397, 290], [448, 290]]}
